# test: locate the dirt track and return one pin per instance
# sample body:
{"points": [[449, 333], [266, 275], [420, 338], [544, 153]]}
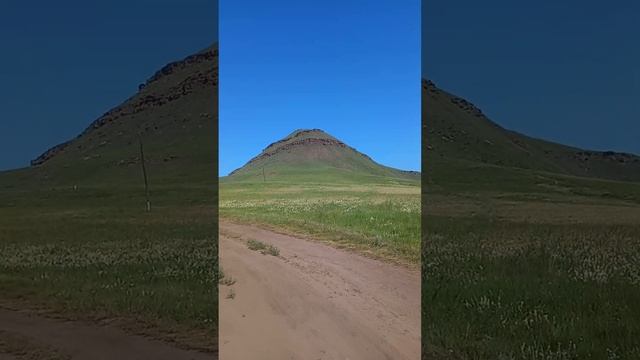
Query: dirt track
{"points": [[313, 302], [23, 336]]}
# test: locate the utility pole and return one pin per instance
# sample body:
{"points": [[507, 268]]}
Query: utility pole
{"points": [[144, 172], [264, 178]]}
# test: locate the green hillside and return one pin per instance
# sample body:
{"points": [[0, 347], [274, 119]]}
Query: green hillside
{"points": [[313, 156], [458, 132], [174, 113]]}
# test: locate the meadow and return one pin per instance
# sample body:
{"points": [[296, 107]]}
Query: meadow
{"points": [[379, 219], [94, 253], [548, 268]]}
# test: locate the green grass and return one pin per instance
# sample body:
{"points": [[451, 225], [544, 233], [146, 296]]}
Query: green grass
{"points": [[265, 249], [317, 174], [381, 219], [95, 252], [516, 270]]}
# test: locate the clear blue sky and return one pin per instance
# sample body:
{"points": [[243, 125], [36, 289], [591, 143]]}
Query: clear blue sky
{"points": [[567, 71], [64, 63], [351, 68]]}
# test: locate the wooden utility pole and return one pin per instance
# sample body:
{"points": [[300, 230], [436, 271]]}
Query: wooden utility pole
{"points": [[144, 172], [264, 178]]}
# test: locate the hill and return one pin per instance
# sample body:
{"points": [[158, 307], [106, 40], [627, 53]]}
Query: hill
{"points": [[457, 131], [174, 113], [315, 155]]}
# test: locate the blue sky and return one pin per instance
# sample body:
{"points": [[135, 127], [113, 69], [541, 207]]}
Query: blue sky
{"points": [[64, 63], [567, 71], [351, 68]]}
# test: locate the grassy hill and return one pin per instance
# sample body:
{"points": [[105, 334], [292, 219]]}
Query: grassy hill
{"points": [[174, 114], [457, 132], [315, 156]]}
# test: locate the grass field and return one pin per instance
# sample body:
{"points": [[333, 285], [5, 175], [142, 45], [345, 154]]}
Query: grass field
{"points": [[94, 253], [531, 267], [382, 219]]}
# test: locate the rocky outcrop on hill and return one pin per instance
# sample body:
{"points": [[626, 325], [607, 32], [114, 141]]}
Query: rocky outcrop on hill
{"points": [[50, 153], [207, 55], [611, 156], [463, 104], [290, 145]]}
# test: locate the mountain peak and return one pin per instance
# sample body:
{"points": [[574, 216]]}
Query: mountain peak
{"points": [[310, 133], [302, 131]]}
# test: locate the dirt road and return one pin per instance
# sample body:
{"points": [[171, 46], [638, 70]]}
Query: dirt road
{"points": [[313, 301], [24, 336]]}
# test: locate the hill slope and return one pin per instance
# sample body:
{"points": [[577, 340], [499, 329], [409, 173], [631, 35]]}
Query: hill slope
{"points": [[174, 113], [457, 130], [318, 155]]}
